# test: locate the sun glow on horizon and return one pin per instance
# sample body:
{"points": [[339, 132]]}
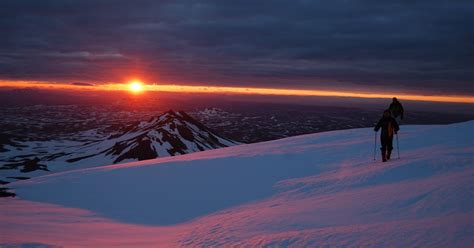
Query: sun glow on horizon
{"points": [[136, 87]]}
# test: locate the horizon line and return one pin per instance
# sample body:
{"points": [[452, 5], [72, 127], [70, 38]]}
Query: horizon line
{"points": [[240, 90]]}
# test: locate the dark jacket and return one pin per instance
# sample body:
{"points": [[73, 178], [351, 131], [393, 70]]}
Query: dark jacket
{"points": [[389, 126], [396, 109]]}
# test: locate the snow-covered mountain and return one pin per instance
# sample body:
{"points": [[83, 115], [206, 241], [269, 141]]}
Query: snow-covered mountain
{"points": [[318, 190], [212, 112], [170, 134]]}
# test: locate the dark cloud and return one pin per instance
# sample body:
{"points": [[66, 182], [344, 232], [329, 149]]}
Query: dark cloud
{"points": [[82, 84], [409, 45]]}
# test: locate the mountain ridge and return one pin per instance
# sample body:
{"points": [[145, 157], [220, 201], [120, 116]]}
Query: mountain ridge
{"points": [[169, 134]]}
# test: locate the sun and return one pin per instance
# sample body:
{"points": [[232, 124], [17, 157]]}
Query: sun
{"points": [[136, 86]]}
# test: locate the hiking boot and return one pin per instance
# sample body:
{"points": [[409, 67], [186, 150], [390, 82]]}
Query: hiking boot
{"points": [[384, 156], [389, 152]]}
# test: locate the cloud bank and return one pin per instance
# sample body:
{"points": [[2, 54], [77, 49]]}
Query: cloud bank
{"points": [[408, 45]]}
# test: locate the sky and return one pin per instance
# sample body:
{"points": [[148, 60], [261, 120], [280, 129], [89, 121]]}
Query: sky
{"points": [[417, 47]]}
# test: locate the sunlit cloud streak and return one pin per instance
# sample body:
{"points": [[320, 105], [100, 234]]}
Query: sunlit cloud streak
{"points": [[240, 90]]}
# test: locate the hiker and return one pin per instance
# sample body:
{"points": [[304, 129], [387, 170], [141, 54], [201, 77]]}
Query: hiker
{"points": [[389, 126], [396, 109]]}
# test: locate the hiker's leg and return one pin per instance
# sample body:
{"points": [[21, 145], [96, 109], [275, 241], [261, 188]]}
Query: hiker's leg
{"points": [[389, 147]]}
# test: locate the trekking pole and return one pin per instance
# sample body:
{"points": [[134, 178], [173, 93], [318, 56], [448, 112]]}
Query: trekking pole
{"points": [[398, 147], [375, 144]]}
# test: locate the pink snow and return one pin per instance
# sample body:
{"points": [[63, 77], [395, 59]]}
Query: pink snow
{"points": [[311, 190]]}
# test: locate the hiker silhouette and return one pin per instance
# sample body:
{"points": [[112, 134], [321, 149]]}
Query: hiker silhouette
{"points": [[396, 110], [389, 127]]}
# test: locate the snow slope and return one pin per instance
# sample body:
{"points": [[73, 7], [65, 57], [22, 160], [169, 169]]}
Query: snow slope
{"points": [[311, 190]]}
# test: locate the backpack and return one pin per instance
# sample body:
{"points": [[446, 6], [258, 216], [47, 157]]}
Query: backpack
{"points": [[390, 129]]}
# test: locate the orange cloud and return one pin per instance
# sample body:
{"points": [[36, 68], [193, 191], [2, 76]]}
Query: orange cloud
{"points": [[245, 90]]}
